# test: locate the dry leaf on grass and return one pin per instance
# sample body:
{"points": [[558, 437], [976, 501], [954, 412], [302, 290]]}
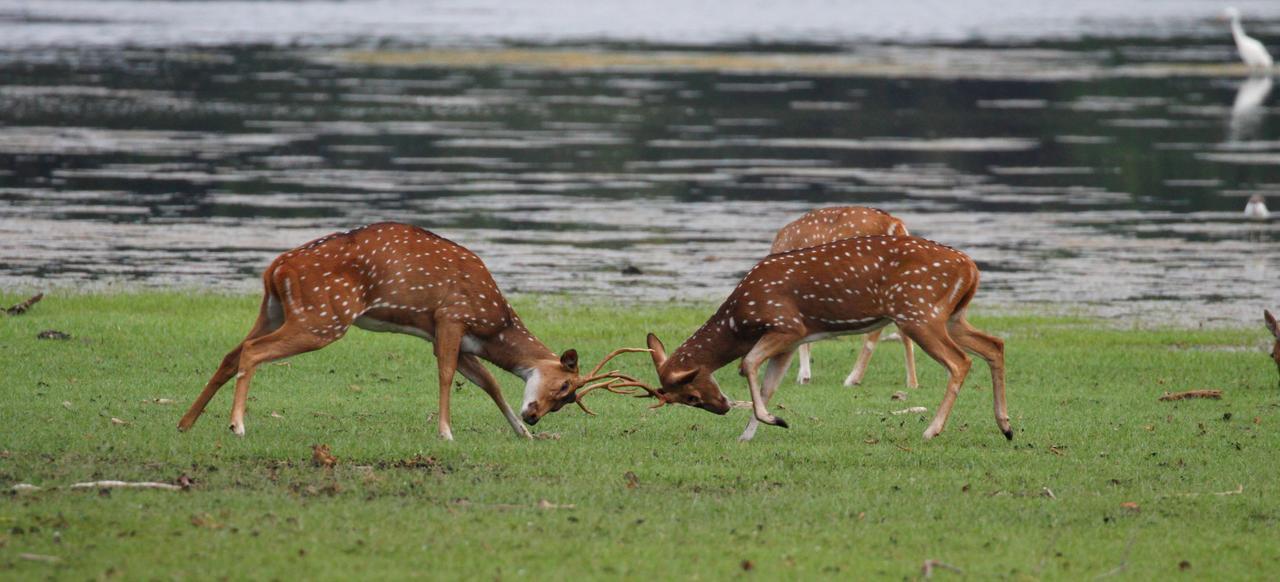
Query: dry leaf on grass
{"points": [[321, 456]]}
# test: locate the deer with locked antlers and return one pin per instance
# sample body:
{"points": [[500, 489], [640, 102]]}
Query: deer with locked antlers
{"points": [[826, 225], [399, 278], [851, 286]]}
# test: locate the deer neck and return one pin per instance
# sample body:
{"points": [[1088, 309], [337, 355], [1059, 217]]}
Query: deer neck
{"points": [[515, 349], [713, 346]]}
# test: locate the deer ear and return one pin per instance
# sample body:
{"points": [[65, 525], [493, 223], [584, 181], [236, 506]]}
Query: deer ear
{"points": [[659, 352], [680, 378], [570, 360], [1271, 323]]}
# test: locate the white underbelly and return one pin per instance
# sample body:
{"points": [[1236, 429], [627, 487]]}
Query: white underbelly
{"points": [[851, 331], [371, 324], [470, 344]]}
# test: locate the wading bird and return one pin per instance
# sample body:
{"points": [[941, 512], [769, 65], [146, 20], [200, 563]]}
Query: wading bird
{"points": [[1251, 51]]}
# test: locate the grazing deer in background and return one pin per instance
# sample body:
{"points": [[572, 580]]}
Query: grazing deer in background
{"points": [[400, 278], [1275, 332], [851, 286], [832, 224]]}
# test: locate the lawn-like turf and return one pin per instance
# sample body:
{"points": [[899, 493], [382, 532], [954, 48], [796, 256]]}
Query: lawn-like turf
{"points": [[1100, 478]]}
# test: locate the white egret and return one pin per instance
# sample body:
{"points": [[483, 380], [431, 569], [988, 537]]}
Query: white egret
{"points": [[1251, 51]]}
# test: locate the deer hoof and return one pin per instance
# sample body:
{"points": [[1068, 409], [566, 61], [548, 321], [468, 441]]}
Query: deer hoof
{"points": [[777, 421], [802, 380], [237, 429], [929, 433], [1008, 433]]}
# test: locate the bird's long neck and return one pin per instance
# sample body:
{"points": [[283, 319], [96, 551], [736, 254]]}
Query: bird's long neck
{"points": [[1237, 31]]}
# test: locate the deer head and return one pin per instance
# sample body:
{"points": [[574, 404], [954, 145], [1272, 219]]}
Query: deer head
{"points": [[689, 386], [551, 385], [1275, 332]]}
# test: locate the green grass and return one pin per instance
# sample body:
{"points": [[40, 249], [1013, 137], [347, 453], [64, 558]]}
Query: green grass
{"points": [[848, 491]]}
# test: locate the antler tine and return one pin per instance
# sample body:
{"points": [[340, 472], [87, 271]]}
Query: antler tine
{"points": [[612, 355], [614, 385], [577, 396], [662, 400]]}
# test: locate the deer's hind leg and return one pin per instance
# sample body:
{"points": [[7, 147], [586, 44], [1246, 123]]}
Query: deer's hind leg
{"points": [[290, 339], [270, 317], [805, 374], [933, 338], [991, 349], [864, 359]]}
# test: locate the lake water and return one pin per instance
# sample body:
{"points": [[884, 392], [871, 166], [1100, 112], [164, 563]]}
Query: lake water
{"points": [[1089, 155]]}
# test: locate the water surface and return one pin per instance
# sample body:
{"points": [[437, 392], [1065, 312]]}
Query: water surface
{"points": [[1085, 163]]}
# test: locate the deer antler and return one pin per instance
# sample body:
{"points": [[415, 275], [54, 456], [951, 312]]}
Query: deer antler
{"points": [[614, 381], [607, 385], [651, 393], [592, 377]]}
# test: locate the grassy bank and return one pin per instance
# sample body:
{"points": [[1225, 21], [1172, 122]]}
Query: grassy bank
{"points": [[1101, 478]]}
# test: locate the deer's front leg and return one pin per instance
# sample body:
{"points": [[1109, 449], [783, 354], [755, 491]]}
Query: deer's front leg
{"points": [[772, 378], [471, 367], [772, 344], [448, 342]]}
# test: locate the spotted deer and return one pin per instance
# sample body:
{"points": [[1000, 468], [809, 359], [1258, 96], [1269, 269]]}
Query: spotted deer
{"points": [[850, 286], [1274, 328], [826, 225], [391, 277]]}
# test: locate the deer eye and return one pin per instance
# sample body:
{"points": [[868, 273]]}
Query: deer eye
{"points": [[565, 387]]}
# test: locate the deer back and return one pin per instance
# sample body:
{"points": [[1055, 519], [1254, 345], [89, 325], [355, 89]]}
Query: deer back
{"points": [[826, 225], [394, 273]]}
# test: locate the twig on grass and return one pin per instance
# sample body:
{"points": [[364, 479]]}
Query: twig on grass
{"points": [[40, 558], [927, 569], [1214, 394], [1238, 490], [125, 485], [912, 410], [1124, 561]]}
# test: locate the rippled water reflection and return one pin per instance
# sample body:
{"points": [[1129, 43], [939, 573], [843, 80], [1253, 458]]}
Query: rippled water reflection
{"points": [[1109, 175]]}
